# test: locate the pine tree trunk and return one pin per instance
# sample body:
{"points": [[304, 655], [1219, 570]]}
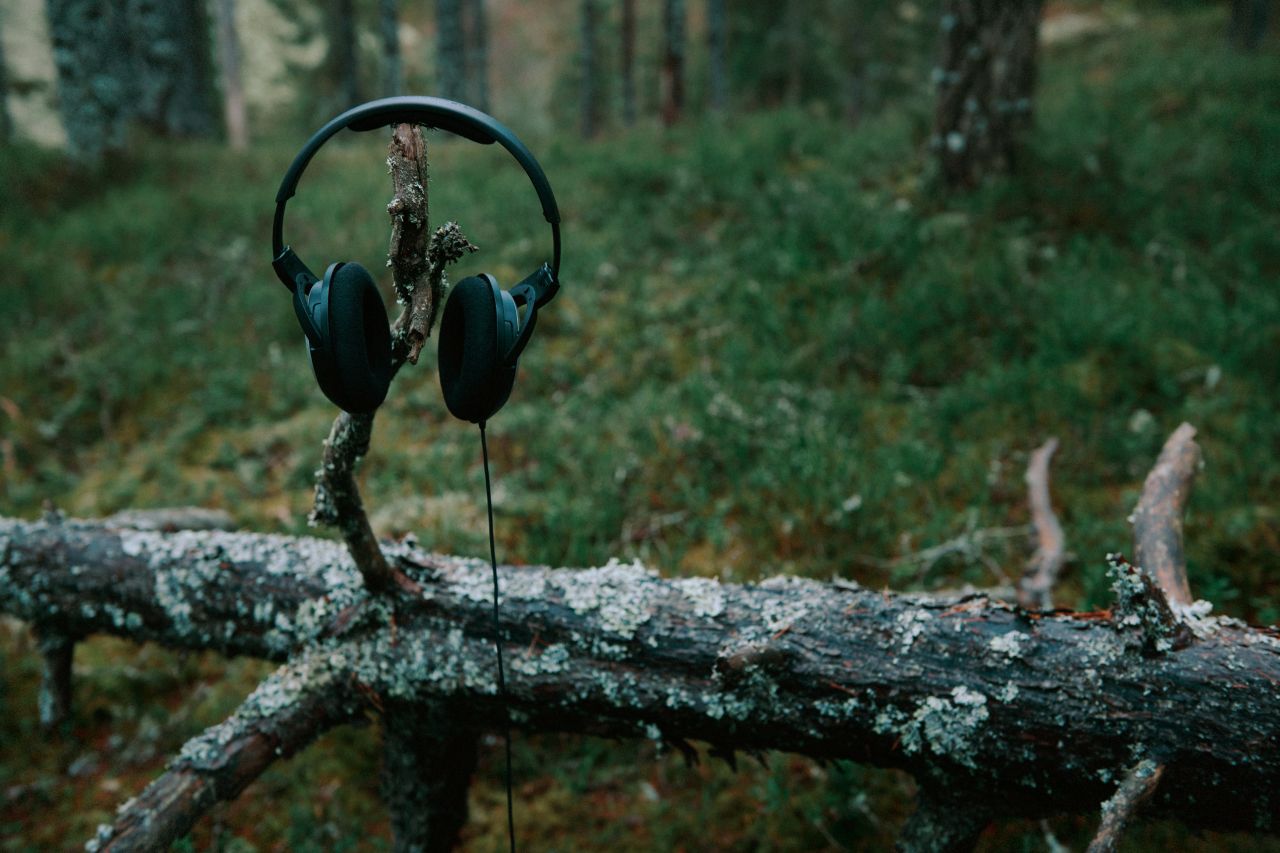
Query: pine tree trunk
{"points": [[94, 87], [344, 65], [588, 68], [986, 82], [794, 22], [673, 14], [1249, 19], [172, 88], [628, 34], [717, 39], [451, 50], [477, 53], [6, 124], [233, 103], [392, 65]]}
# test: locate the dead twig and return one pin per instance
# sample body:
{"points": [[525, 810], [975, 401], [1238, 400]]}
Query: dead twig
{"points": [[1138, 784], [1035, 590], [1157, 519]]}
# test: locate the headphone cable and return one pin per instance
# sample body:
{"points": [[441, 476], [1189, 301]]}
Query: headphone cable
{"points": [[497, 639]]}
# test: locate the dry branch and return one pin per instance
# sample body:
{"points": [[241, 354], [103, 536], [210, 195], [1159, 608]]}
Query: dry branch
{"points": [[1036, 586], [1029, 713], [1136, 787], [418, 269], [1157, 520], [284, 714]]}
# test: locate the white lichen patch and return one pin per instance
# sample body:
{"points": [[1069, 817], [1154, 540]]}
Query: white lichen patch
{"points": [[910, 625], [552, 659], [1008, 693], [618, 592], [947, 727], [781, 613], [705, 595], [1012, 644]]}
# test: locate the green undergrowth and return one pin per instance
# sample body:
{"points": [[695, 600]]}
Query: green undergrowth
{"points": [[779, 348]]}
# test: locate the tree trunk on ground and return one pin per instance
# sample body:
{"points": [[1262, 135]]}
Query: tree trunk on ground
{"points": [[94, 79], [477, 53], [673, 50], [628, 52], [1248, 25], [1025, 713], [986, 83], [392, 66], [451, 50], [229, 70], [717, 42], [589, 71], [343, 60]]}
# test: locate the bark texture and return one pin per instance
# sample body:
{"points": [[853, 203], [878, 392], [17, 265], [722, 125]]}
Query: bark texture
{"points": [[986, 82], [1035, 713]]}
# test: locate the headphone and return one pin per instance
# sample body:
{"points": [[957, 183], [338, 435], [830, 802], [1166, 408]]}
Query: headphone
{"points": [[481, 331]]}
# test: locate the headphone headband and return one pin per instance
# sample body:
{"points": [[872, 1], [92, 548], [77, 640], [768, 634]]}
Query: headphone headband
{"points": [[451, 116]]}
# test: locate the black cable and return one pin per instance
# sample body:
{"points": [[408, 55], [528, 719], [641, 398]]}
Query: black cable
{"points": [[497, 639]]}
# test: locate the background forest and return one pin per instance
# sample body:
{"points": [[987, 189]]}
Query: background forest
{"points": [[790, 340]]}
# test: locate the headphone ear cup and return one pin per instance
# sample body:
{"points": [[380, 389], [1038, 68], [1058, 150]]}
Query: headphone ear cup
{"points": [[474, 377], [359, 340]]}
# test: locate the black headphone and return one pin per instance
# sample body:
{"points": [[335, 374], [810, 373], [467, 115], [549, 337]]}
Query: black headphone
{"points": [[342, 315]]}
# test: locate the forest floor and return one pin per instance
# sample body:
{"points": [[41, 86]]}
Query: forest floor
{"points": [[780, 348]]}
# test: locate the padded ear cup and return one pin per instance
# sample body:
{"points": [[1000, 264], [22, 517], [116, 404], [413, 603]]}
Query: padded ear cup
{"points": [[359, 341], [474, 376]]}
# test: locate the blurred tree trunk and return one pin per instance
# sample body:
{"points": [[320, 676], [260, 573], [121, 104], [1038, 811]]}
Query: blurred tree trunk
{"points": [[94, 91], [588, 65], [1249, 19], [477, 53], [853, 42], [343, 59], [451, 50], [6, 124], [717, 39], [793, 21], [229, 65], [628, 31], [986, 80], [672, 61], [392, 66], [171, 75]]}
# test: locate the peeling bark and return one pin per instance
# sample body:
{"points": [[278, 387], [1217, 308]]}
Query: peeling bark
{"points": [[1032, 712]]}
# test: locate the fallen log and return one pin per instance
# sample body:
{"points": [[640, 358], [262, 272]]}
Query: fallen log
{"points": [[1030, 713]]}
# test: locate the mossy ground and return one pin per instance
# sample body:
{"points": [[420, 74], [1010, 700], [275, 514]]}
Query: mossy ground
{"points": [[779, 349]]}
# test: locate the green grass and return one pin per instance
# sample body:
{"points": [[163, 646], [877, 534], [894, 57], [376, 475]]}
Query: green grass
{"points": [[779, 349]]}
